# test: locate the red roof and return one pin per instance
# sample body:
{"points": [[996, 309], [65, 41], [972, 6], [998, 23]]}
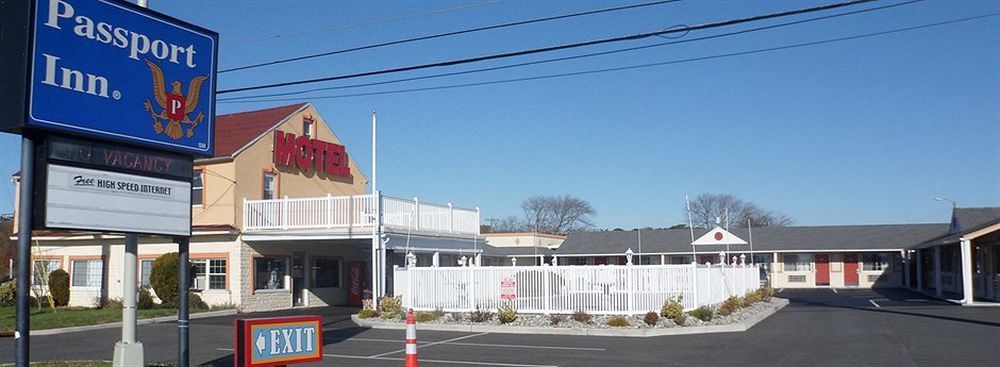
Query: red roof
{"points": [[236, 130]]}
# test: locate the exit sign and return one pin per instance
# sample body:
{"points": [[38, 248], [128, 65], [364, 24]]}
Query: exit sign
{"points": [[279, 341]]}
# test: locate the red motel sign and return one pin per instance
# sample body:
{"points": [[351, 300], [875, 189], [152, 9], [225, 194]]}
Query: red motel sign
{"points": [[310, 154]]}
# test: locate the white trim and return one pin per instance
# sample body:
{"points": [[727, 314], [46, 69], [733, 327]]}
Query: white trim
{"points": [[732, 251]]}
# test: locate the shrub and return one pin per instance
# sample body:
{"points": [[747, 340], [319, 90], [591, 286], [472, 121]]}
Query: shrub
{"points": [[480, 315], [651, 318], [426, 316], [59, 287], [195, 302], [391, 307], [145, 300], [673, 309], [751, 298], [506, 314], [163, 278], [730, 305], [555, 319], [367, 314], [112, 303], [766, 293], [8, 292], [618, 321], [703, 313], [581, 316]]}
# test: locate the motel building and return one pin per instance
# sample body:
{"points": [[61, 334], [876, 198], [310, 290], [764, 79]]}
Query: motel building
{"points": [[957, 261], [282, 217]]}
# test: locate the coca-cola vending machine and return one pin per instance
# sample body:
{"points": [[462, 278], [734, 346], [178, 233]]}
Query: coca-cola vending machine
{"points": [[355, 282]]}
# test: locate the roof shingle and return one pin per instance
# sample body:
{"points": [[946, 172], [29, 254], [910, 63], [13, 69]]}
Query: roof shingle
{"points": [[236, 130]]}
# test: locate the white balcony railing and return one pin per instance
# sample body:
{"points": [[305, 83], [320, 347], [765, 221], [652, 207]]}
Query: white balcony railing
{"points": [[357, 213]]}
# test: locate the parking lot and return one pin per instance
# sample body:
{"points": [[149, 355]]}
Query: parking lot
{"points": [[821, 327]]}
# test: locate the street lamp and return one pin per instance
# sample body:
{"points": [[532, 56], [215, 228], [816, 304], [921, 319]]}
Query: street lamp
{"points": [[953, 203]]}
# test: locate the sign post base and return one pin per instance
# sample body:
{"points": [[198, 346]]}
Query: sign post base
{"points": [[128, 355]]}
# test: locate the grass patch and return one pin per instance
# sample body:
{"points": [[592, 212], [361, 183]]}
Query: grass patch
{"points": [[74, 316]]}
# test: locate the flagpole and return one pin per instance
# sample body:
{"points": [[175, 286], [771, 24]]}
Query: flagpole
{"points": [[750, 230], [691, 228]]}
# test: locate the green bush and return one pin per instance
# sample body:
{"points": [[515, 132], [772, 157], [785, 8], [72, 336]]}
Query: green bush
{"points": [[751, 298], [112, 303], [581, 316], [651, 318], [730, 305], [391, 307], [426, 316], [145, 300], [673, 309], [163, 278], [618, 321], [766, 293], [195, 302], [59, 287], [703, 313], [506, 314], [480, 315], [367, 314], [8, 292], [555, 319]]}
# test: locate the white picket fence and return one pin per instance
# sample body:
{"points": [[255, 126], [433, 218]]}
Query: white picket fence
{"points": [[600, 289]]}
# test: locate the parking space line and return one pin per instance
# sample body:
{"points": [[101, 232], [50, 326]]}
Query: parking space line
{"points": [[430, 344], [834, 290], [486, 345], [781, 290], [874, 304]]}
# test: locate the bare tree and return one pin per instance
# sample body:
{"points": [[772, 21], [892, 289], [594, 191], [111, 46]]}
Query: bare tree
{"points": [[707, 209], [507, 224], [557, 214]]}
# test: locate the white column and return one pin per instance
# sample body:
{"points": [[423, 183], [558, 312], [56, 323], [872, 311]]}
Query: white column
{"points": [[966, 267], [906, 268], [436, 259], [937, 271], [920, 270]]}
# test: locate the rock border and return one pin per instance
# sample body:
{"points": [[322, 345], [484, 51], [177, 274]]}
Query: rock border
{"points": [[744, 325]]}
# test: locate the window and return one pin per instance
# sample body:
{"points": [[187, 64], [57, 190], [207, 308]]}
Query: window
{"points": [[269, 184], [269, 273], [145, 269], [42, 270], [326, 273], [797, 262], [307, 127], [208, 274], [197, 187], [796, 278], [579, 261], [87, 273], [876, 262], [680, 260]]}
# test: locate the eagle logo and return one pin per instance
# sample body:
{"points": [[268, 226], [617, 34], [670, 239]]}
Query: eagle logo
{"points": [[174, 105]]}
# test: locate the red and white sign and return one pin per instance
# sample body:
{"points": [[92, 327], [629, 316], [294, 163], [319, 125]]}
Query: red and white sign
{"points": [[508, 288], [719, 236], [354, 283], [310, 154]]}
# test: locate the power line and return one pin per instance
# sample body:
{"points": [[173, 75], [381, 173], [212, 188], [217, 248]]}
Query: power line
{"points": [[371, 22], [553, 48], [440, 35], [575, 57], [679, 61]]}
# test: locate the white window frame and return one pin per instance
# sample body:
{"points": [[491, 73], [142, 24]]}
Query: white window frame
{"points": [[206, 278], [100, 272], [200, 190], [798, 262], [274, 185], [148, 275], [885, 265], [284, 283]]}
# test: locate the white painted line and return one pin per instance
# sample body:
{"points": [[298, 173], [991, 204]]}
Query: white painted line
{"points": [[873, 303], [348, 356], [486, 345], [430, 344], [781, 290], [834, 290]]}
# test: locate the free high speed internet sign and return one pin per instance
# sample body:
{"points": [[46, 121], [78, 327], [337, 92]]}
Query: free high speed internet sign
{"points": [[108, 69]]}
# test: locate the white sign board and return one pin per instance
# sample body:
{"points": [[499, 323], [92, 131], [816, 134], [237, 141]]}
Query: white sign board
{"points": [[81, 198]]}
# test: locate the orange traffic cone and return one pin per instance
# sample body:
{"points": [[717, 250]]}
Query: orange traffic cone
{"points": [[411, 340]]}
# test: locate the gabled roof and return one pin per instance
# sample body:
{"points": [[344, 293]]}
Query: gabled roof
{"points": [[805, 239], [235, 131], [970, 219]]}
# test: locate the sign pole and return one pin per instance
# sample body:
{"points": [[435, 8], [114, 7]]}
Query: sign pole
{"points": [[184, 281], [129, 352], [25, 215]]}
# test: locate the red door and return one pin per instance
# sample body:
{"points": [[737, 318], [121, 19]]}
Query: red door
{"points": [[823, 269], [850, 269], [702, 259]]}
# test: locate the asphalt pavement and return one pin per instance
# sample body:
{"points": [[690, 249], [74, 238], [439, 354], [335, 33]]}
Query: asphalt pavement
{"points": [[821, 327]]}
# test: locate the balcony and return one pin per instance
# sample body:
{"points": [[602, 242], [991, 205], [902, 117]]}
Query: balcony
{"points": [[356, 214]]}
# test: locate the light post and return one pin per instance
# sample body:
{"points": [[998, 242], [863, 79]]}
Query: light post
{"points": [[628, 256]]}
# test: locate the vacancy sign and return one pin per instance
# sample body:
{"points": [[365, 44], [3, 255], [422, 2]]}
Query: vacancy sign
{"points": [[279, 341], [81, 198], [508, 288]]}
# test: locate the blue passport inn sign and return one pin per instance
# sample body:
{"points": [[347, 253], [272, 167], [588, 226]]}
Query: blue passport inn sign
{"points": [[110, 70]]}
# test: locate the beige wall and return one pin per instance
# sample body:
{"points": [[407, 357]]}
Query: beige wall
{"points": [[523, 240], [890, 277]]}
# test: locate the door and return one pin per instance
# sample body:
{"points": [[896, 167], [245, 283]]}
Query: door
{"points": [[702, 259], [298, 278], [823, 269], [851, 269]]}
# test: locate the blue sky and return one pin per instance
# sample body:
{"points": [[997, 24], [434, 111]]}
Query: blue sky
{"points": [[855, 132]]}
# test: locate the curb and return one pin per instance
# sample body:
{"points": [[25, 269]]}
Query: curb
{"points": [[635, 333], [154, 320]]}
